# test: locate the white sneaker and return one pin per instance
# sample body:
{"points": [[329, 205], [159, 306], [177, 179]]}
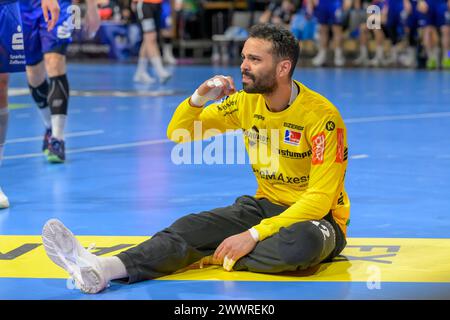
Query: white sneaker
{"points": [[361, 61], [164, 76], [320, 58], [170, 59], [4, 202], [409, 58], [375, 62], [143, 77], [64, 249]]}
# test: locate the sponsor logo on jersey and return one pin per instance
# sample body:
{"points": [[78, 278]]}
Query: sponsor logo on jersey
{"points": [[17, 39], [294, 155], [293, 126], [318, 148], [258, 116], [254, 136], [340, 146], [292, 137], [330, 126], [280, 177]]}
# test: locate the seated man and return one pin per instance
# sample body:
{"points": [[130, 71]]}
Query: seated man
{"points": [[298, 217]]}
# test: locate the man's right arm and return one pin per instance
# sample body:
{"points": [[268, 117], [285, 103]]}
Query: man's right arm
{"points": [[191, 121]]}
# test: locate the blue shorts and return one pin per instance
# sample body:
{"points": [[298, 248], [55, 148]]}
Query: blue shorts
{"points": [[329, 12], [12, 54], [395, 8], [437, 14], [38, 40], [416, 19], [166, 15]]}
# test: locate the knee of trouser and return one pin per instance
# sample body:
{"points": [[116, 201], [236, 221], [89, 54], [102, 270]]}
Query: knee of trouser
{"points": [[302, 245]]}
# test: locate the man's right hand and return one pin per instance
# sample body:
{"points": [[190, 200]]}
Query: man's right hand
{"points": [[212, 89]]}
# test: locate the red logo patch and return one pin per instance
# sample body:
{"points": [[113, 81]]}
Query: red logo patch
{"points": [[318, 148], [340, 146]]}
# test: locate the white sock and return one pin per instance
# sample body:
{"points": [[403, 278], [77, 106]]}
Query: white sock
{"points": [[434, 53], [58, 124], [379, 53], [157, 64], [4, 116], [46, 116], [363, 51], [167, 50], [142, 65], [113, 268]]}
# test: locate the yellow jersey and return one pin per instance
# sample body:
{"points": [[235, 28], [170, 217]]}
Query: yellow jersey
{"points": [[299, 155]]}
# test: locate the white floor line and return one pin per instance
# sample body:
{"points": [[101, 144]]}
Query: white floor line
{"points": [[399, 117], [359, 156], [91, 149], [68, 135], [122, 146]]}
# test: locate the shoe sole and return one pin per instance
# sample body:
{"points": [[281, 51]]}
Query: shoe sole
{"points": [[52, 158], [61, 247]]}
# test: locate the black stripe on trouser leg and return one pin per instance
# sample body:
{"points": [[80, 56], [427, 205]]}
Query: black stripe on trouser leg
{"points": [[58, 96], [189, 239]]}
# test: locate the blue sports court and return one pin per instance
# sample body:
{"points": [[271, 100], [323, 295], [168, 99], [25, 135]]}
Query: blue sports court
{"points": [[119, 186]]}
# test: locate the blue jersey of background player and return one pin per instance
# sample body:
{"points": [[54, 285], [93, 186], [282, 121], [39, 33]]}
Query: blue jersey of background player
{"points": [[45, 56], [12, 58], [12, 55], [329, 12]]}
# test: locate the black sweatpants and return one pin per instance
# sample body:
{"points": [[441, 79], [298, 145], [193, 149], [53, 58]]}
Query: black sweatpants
{"points": [[190, 238]]}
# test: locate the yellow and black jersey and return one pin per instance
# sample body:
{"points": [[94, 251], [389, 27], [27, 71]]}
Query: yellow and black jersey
{"points": [[298, 155]]}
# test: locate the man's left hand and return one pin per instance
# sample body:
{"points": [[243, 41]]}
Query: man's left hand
{"points": [[233, 248]]}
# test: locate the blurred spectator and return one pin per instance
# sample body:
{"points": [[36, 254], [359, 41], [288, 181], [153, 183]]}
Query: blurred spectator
{"points": [[303, 25], [149, 15], [330, 14], [279, 12], [188, 18], [437, 16], [167, 32]]}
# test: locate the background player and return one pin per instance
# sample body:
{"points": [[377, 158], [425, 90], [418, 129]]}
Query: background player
{"points": [[329, 14], [167, 33], [45, 56], [12, 58], [149, 15], [437, 17]]}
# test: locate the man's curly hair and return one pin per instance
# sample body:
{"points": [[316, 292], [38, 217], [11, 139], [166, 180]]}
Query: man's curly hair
{"points": [[284, 44]]}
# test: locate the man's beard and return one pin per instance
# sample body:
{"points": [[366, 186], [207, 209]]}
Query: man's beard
{"points": [[264, 84]]}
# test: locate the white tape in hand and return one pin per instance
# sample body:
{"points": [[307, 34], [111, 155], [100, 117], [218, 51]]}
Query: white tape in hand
{"points": [[216, 90], [228, 264]]}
